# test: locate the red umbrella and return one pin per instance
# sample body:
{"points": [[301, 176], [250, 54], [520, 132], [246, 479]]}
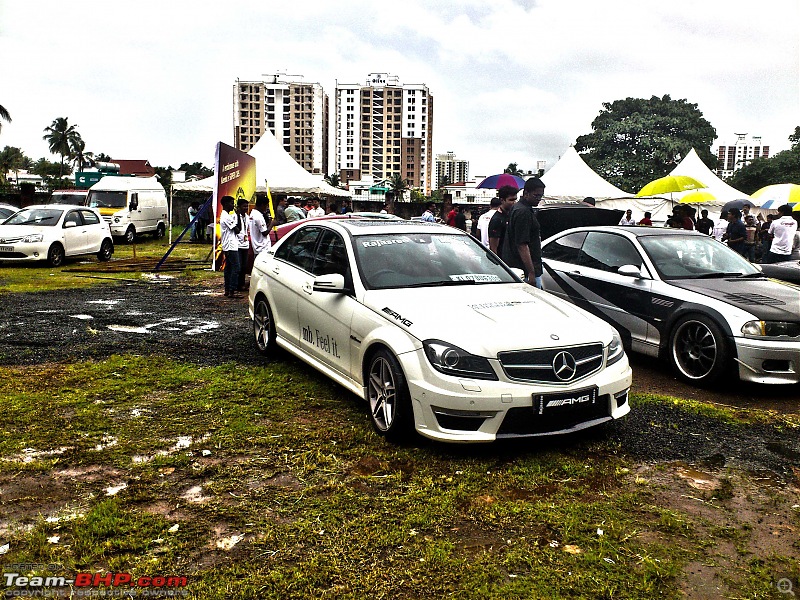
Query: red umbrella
{"points": [[495, 182]]}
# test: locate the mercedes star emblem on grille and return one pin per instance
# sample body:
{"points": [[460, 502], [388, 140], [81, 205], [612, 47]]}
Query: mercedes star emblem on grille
{"points": [[564, 366]]}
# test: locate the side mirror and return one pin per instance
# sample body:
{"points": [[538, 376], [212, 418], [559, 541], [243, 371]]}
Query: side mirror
{"points": [[630, 271], [69, 224], [134, 205], [330, 283]]}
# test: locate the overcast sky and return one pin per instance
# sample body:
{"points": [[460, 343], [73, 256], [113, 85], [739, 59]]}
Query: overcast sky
{"points": [[512, 80]]}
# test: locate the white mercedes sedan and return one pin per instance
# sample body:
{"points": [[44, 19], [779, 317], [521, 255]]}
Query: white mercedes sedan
{"points": [[435, 332]]}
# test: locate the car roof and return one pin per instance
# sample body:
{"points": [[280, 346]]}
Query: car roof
{"points": [[366, 226], [635, 231], [57, 207]]}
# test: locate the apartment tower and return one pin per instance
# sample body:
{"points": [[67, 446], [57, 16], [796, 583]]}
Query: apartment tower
{"points": [[450, 169], [295, 112], [732, 158], [385, 128]]}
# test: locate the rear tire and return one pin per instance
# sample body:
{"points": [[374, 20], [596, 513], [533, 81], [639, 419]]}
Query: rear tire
{"points": [[106, 250], [159, 232], [130, 235], [388, 399], [698, 350], [55, 255], [264, 327]]}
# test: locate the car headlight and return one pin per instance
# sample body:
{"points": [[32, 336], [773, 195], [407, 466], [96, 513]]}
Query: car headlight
{"points": [[770, 329], [116, 219], [452, 360], [615, 350], [33, 238]]}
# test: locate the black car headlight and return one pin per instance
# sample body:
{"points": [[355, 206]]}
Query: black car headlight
{"points": [[615, 350], [771, 329], [452, 360]]}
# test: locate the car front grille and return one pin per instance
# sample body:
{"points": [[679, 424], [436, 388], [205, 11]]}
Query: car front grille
{"points": [[553, 365], [526, 421], [14, 240]]}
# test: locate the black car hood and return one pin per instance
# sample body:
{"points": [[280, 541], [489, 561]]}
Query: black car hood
{"points": [[768, 300], [555, 218]]}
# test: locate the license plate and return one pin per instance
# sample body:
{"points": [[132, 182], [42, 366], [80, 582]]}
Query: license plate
{"points": [[565, 402], [6, 248]]}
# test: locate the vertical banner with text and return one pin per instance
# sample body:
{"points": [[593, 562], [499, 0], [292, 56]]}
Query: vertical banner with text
{"points": [[235, 176]]}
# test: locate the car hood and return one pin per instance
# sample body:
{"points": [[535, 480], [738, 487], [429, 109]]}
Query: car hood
{"points": [[766, 299], [17, 231], [486, 319]]}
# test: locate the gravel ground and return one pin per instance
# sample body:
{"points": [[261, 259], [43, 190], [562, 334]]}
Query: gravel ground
{"points": [[194, 322]]}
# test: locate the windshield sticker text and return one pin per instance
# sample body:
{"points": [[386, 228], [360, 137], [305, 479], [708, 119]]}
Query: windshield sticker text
{"points": [[475, 277], [397, 317], [375, 243]]}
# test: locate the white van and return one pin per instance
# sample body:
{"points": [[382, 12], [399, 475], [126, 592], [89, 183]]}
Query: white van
{"points": [[131, 205]]}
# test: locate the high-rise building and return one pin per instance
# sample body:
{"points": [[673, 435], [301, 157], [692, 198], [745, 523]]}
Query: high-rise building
{"points": [[295, 112], [732, 158], [385, 128], [450, 169]]}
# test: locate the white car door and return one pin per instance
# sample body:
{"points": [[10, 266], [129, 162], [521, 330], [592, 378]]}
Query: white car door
{"points": [[289, 271], [325, 317], [74, 233], [96, 230]]}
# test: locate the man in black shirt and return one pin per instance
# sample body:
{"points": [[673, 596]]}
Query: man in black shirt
{"points": [[704, 224], [499, 222], [461, 219], [522, 247]]}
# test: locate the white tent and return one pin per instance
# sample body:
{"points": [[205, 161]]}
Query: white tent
{"points": [[572, 179], [693, 166], [274, 166]]}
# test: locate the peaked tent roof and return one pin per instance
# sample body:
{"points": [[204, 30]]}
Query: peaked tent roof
{"points": [[693, 166], [274, 166], [571, 178]]}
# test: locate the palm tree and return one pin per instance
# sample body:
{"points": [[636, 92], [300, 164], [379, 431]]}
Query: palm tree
{"points": [[77, 154], [61, 137], [513, 169], [4, 116], [397, 186], [333, 179]]}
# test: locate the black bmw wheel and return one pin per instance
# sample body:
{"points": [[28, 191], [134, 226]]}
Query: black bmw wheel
{"points": [[389, 400], [263, 327], [698, 349], [55, 255]]}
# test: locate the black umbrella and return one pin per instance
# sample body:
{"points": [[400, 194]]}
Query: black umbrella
{"points": [[735, 204]]}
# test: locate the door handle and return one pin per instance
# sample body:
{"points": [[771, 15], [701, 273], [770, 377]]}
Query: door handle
{"points": [[276, 270], [307, 288], [575, 272]]}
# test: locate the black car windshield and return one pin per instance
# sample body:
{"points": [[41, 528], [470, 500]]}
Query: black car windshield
{"points": [[101, 199], [46, 217], [694, 256], [426, 260]]}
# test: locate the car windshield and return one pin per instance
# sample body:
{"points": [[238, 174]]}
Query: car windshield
{"points": [[693, 257], [426, 260], [67, 198], [46, 217], [101, 199]]}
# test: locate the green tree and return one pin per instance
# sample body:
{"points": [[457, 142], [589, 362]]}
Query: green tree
{"points": [[164, 175], [4, 116], [61, 137], [418, 196], [12, 159], [333, 180], [102, 157], [196, 170], [784, 167], [513, 169], [398, 186], [46, 168], [636, 140]]}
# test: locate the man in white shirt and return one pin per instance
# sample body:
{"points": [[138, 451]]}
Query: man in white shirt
{"points": [[485, 218], [428, 214], [720, 226], [229, 228], [628, 218], [259, 227], [294, 212], [782, 231], [317, 211]]}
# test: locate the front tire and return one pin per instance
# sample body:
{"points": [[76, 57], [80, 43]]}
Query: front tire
{"points": [[55, 255], [388, 397], [264, 327], [106, 250], [130, 235], [698, 350]]}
